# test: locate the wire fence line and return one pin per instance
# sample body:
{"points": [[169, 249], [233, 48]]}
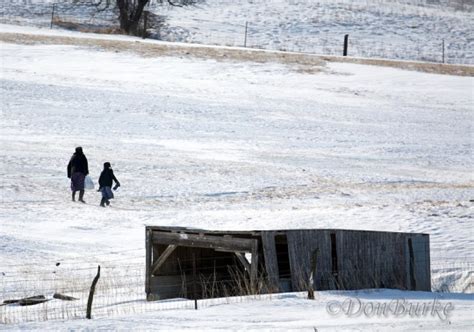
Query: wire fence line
{"points": [[312, 41], [121, 288], [298, 37], [112, 300]]}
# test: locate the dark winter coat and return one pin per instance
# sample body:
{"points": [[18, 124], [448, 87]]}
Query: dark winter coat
{"points": [[78, 163], [106, 178]]}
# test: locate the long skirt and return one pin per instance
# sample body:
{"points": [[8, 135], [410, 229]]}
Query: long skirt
{"points": [[77, 181]]}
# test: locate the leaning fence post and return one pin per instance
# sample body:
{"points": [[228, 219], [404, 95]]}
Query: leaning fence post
{"points": [[194, 283], [443, 50], [346, 44], [52, 15], [314, 258], [246, 29], [91, 294]]}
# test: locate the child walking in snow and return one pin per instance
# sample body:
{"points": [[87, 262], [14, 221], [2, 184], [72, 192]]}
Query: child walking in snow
{"points": [[105, 184]]}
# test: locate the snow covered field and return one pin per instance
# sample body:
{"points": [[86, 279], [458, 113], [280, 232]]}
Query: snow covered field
{"points": [[228, 145], [288, 312], [396, 29]]}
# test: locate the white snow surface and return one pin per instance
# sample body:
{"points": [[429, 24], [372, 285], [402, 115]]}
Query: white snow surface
{"points": [[231, 146], [288, 312]]}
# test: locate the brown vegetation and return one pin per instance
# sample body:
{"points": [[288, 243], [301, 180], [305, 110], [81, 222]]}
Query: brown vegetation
{"points": [[305, 63]]}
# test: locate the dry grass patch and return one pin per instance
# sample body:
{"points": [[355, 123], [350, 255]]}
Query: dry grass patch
{"points": [[300, 62], [86, 28], [426, 67]]}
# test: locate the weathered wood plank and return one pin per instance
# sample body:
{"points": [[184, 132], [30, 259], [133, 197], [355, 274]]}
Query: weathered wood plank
{"points": [[271, 259], [162, 258], [32, 300], [323, 265], [422, 275], [294, 241], [301, 244], [258, 232], [64, 297], [427, 263], [207, 241]]}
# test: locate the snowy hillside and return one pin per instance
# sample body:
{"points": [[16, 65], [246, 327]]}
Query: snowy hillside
{"points": [[221, 145], [396, 29], [411, 30]]}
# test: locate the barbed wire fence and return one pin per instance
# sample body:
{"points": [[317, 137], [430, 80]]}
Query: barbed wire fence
{"points": [[85, 16], [254, 35], [121, 288]]}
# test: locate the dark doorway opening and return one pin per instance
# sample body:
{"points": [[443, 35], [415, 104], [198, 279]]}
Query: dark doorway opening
{"points": [[283, 259]]}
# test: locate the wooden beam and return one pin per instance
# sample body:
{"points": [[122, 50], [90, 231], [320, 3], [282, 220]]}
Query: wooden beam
{"points": [[162, 258], [205, 241], [254, 269], [243, 260], [148, 260], [230, 250]]}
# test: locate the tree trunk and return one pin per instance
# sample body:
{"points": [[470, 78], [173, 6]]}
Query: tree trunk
{"points": [[130, 14]]}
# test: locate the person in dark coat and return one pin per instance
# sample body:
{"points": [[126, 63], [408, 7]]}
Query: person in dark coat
{"points": [[77, 169], [106, 179]]}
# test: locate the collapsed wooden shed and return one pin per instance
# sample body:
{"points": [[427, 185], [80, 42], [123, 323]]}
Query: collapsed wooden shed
{"points": [[229, 263]]}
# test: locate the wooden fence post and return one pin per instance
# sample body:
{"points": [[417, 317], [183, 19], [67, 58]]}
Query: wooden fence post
{"points": [[52, 15], [246, 29], [346, 45], [91, 294], [443, 50]]}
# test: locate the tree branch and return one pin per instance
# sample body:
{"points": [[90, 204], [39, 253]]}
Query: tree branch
{"points": [[174, 4]]}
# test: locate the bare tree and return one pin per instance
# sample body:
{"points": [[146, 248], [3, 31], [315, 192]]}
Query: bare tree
{"points": [[131, 11]]}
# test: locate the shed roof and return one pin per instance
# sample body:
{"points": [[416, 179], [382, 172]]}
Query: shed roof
{"points": [[258, 231]]}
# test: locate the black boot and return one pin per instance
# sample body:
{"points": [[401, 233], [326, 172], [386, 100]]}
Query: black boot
{"points": [[81, 196], [102, 202], [73, 196]]}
